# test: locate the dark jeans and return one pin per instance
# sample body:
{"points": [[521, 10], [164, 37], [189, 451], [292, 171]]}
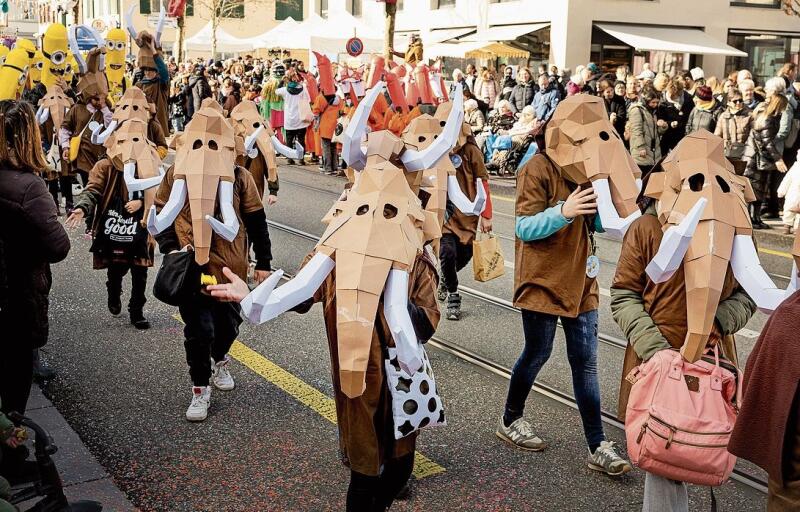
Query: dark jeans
{"points": [[329, 157], [16, 369], [211, 328], [581, 335], [453, 256], [299, 135], [115, 273], [376, 493]]}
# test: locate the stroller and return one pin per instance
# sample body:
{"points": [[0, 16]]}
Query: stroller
{"points": [[48, 486], [521, 153], [505, 162]]}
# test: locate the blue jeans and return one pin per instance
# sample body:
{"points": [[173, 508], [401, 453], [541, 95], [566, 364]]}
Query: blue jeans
{"points": [[178, 123], [581, 334]]}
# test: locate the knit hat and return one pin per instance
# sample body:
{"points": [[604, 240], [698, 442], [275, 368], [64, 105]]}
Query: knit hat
{"points": [[704, 93], [697, 73], [646, 75], [573, 88], [594, 68], [470, 105]]}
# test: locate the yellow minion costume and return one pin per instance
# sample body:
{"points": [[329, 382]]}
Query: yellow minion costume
{"points": [[55, 52], [118, 83], [28, 46], [35, 74], [3, 53], [13, 74]]}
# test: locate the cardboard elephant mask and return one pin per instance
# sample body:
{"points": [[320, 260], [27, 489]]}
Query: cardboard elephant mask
{"points": [[259, 138], [204, 172], [148, 43], [583, 144], [702, 205], [53, 105], [375, 232], [131, 152], [132, 105]]}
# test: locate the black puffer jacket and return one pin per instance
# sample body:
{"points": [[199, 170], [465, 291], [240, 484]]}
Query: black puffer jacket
{"points": [[761, 154], [200, 91], [32, 239], [522, 95]]}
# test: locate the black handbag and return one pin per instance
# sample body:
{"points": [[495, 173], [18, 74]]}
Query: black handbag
{"points": [[178, 279], [120, 235]]}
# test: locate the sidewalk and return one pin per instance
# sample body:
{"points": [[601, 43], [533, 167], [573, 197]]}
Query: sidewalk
{"points": [[82, 475]]}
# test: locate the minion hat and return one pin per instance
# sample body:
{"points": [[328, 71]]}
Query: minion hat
{"points": [[3, 53], [13, 74], [94, 82], [28, 46]]}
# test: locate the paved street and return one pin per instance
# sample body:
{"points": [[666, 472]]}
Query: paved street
{"points": [[270, 445]]}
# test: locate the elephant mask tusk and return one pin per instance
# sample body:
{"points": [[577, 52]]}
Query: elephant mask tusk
{"points": [[352, 152], [135, 184], [280, 148], [674, 245], [395, 309], [754, 279], [250, 148], [460, 199], [614, 225], [419, 160], [99, 137], [42, 114], [156, 223], [229, 227], [162, 18], [129, 21], [264, 304]]}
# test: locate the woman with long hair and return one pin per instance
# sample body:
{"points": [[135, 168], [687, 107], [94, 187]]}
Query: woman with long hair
{"points": [[764, 158], [31, 238]]}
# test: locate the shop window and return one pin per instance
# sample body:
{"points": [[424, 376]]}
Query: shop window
{"points": [[438, 4], [354, 7], [771, 4], [189, 8], [322, 8], [766, 53]]}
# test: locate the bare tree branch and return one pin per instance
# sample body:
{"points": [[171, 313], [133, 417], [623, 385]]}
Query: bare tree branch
{"points": [[791, 7]]}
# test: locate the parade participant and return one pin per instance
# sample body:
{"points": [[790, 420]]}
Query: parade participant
{"points": [[121, 242], [271, 106], [326, 109], [413, 53], [56, 54], [378, 232], [91, 106], [118, 82], [187, 222], [556, 266], [133, 104], [31, 239], [50, 114], [14, 74], [258, 156], [652, 312], [35, 90], [155, 76], [459, 230]]}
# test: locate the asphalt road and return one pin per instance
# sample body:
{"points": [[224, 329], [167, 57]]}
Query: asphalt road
{"points": [[271, 445]]}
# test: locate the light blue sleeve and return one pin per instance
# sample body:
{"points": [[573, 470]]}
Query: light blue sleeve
{"points": [[541, 225]]}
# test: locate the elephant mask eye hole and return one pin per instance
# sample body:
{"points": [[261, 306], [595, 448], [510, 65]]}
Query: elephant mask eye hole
{"points": [[696, 182], [389, 211], [212, 145], [442, 123], [136, 139], [256, 125], [364, 208], [136, 107], [124, 107], [197, 144], [723, 185], [604, 135], [421, 138]]}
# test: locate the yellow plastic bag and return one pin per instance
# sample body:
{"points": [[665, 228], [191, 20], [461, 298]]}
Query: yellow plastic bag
{"points": [[74, 147], [487, 258]]}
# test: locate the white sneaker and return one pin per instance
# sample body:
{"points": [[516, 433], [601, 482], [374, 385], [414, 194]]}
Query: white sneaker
{"points": [[221, 376], [201, 399], [606, 460]]}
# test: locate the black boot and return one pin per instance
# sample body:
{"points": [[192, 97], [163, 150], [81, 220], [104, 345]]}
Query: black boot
{"points": [[454, 306], [41, 371], [114, 303], [138, 320]]}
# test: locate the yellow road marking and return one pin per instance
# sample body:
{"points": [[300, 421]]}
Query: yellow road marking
{"points": [[776, 253], [309, 396], [506, 199]]}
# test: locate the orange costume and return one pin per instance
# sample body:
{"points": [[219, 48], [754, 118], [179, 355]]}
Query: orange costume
{"points": [[328, 113]]}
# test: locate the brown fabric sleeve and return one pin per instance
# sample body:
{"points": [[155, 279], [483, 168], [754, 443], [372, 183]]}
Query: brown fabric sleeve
{"points": [[162, 194], [533, 186], [476, 162], [69, 120], [157, 134], [632, 262], [249, 201], [422, 291]]}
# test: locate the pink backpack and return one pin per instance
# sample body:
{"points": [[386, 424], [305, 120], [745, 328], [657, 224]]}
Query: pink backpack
{"points": [[680, 417]]}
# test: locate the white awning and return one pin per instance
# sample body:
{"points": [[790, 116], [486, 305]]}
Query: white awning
{"points": [[434, 36], [505, 32], [667, 39], [228, 43], [475, 49]]}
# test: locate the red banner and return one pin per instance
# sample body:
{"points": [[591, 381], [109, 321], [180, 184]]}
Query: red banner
{"points": [[176, 8]]}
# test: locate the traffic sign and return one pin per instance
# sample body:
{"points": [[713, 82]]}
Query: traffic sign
{"points": [[354, 46]]}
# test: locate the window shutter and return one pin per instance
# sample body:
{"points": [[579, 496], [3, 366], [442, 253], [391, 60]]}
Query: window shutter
{"points": [[144, 6], [189, 8]]}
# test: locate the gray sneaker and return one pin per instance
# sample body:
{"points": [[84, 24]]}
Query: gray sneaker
{"points": [[441, 293], [520, 434], [454, 306], [607, 460]]}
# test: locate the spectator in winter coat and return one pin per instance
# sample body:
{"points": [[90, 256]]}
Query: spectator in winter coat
{"points": [[789, 191], [31, 238], [764, 159], [674, 109], [487, 90], [705, 112], [615, 106], [734, 125], [523, 92], [201, 89], [748, 89], [545, 100], [473, 117], [458, 77], [645, 130]]}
